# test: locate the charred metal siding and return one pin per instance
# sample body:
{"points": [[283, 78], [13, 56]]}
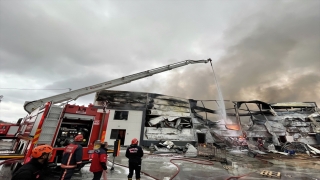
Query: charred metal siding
{"points": [[289, 121], [168, 118], [163, 117]]}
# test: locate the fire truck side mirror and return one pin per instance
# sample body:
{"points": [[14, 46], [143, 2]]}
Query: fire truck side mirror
{"points": [[116, 150]]}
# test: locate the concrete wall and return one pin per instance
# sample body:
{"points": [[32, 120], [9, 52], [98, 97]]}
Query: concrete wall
{"points": [[132, 126]]}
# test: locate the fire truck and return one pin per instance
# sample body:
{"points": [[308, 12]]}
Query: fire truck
{"points": [[49, 122], [8, 130]]}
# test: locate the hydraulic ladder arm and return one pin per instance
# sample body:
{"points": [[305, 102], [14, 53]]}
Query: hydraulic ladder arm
{"points": [[29, 106]]}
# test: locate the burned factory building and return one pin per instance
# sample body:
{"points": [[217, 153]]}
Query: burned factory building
{"points": [[254, 125], [294, 125], [150, 117]]}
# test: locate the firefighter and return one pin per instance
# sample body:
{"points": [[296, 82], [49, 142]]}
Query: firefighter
{"points": [[134, 153], [72, 158], [34, 169], [99, 161]]}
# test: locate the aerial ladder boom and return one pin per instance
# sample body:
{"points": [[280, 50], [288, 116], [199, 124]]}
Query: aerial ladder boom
{"points": [[29, 106]]}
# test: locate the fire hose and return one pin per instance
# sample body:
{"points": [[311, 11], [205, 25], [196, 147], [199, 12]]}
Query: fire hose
{"points": [[193, 160], [140, 171], [189, 160]]}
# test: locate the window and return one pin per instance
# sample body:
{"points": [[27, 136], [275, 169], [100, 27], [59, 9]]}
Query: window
{"points": [[121, 115]]}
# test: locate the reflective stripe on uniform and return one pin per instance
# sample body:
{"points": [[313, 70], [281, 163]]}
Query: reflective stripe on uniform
{"points": [[70, 156], [64, 173], [68, 166]]}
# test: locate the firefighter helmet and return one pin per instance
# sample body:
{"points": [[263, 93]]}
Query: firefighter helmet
{"points": [[40, 150], [134, 141], [79, 137]]}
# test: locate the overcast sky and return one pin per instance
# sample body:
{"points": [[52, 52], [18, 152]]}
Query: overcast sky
{"points": [[266, 50]]}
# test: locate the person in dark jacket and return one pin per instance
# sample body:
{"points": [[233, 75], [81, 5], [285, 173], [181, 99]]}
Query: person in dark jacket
{"points": [[134, 153], [99, 161], [34, 169], [72, 158]]}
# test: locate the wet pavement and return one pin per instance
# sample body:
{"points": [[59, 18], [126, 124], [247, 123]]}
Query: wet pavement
{"points": [[299, 166], [291, 167]]}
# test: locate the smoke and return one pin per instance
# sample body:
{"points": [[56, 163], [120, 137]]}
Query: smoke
{"points": [[273, 56]]}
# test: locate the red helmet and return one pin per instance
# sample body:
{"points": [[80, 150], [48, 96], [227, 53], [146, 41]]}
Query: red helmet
{"points": [[134, 141], [40, 150], [79, 137]]}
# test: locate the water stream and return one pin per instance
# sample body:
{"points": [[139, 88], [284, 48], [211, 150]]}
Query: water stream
{"points": [[220, 101]]}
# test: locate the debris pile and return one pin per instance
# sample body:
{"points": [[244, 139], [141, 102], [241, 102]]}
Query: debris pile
{"points": [[301, 148], [207, 150], [191, 151], [280, 123], [167, 147], [237, 142], [295, 146], [170, 122]]}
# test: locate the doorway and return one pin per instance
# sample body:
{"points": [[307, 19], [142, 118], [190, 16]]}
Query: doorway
{"points": [[118, 134]]}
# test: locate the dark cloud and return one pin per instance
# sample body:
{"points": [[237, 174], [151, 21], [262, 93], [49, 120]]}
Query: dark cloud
{"points": [[258, 47], [62, 36], [272, 57]]}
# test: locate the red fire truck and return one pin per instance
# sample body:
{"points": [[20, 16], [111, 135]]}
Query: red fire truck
{"points": [[49, 123], [56, 126], [8, 130]]}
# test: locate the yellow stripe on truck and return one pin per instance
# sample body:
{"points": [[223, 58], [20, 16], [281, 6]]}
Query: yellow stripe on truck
{"points": [[36, 136], [11, 156], [103, 136]]}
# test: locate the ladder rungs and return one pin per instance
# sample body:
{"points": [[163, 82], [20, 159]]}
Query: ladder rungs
{"points": [[52, 118]]}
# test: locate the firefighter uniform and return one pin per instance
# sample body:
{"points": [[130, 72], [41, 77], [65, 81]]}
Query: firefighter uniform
{"points": [[31, 170], [134, 153], [98, 163], [71, 159], [35, 168]]}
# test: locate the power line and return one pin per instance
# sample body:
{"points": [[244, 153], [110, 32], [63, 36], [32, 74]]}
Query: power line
{"points": [[34, 89]]}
